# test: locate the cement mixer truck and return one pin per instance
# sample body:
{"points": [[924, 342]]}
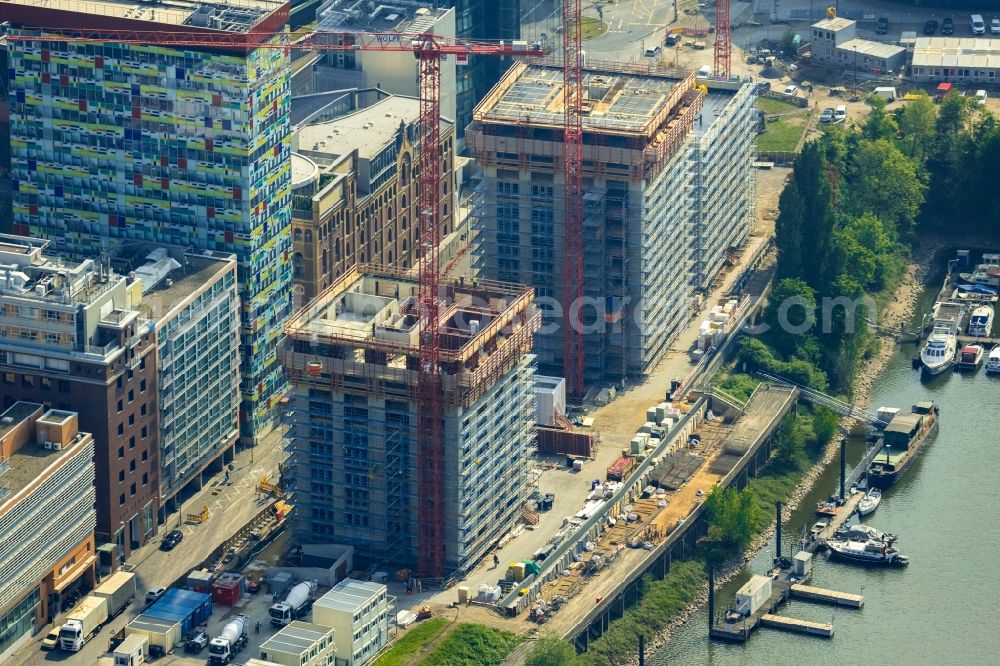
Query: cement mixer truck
{"points": [[297, 603], [222, 649]]}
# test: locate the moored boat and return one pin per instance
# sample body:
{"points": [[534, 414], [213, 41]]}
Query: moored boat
{"points": [[902, 440], [971, 357], [939, 352], [869, 502], [871, 552], [993, 362], [827, 508], [981, 321]]}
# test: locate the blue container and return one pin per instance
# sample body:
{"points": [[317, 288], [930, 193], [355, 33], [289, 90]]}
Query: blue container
{"points": [[190, 609]]}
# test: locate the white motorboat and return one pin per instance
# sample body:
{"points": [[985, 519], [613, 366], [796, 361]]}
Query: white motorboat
{"points": [[981, 321], [939, 352], [984, 274], [993, 362], [871, 552], [869, 502]]}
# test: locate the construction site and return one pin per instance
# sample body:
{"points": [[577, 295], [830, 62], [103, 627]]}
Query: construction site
{"points": [[353, 357], [667, 203]]}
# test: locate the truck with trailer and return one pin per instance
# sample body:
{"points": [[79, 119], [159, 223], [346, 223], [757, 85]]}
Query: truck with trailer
{"points": [[119, 590], [297, 603], [83, 622], [223, 648], [133, 651]]}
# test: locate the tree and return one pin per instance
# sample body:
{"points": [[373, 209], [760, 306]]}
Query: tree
{"points": [[917, 123], [551, 651], [790, 314], [884, 181], [812, 176], [732, 519], [879, 124], [788, 227]]}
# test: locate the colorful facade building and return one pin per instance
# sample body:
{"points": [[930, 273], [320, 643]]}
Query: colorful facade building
{"points": [[112, 143]]}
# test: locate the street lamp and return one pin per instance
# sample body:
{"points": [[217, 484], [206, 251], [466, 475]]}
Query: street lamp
{"points": [[855, 71]]}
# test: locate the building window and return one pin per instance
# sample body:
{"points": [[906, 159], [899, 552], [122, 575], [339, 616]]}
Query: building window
{"points": [[121, 405], [144, 432], [131, 465], [121, 428], [142, 410], [63, 386], [145, 455], [121, 452], [27, 381], [132, 490], [131, 442], [121, 476], [131, 395], [8, 378], [142, 386], [121, 499], [145, 478], [131, 419]]}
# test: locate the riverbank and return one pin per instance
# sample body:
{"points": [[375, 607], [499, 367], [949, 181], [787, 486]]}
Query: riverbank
{"points": [[897, 312]]}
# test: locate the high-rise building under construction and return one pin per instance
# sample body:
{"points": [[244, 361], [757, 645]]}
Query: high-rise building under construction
{"points": [[668, 195], [357, 465], [188, 146]]}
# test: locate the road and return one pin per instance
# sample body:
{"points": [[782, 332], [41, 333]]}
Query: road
{"points": [[230, 507]]}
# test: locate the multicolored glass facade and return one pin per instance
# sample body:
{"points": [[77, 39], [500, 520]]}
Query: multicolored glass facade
{"points": [[113, 142]]}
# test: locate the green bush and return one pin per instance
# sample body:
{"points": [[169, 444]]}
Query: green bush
{"points": [[473, 644], [404, 651]]}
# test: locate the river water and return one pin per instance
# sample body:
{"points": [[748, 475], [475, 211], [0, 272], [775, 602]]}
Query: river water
{"points": [[937, 611]]}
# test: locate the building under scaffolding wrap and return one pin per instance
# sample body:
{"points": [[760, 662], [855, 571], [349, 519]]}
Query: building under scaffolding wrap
{"points": [[352, 356], [667, 167]]}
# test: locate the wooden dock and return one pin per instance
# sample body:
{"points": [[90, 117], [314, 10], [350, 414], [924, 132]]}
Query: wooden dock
{"points": [[822, 595], [797, 626], [738, 631], [844, 513]]}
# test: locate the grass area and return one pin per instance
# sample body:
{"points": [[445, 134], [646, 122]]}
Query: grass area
{"points": [[592, 27], [406, 650], [768, 105], [661, 601], [473, 644], [782, 135]]}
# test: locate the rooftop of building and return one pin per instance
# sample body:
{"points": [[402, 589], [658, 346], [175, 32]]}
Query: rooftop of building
{"points": [[833, 24], [349, 595], [168, 281], [870, 47], [379, 309], [358, 16], [234, 16], [27, 463], [26, 272], [978, 52], [296, 638], [614, 101], [368, 130], [304, 171]]}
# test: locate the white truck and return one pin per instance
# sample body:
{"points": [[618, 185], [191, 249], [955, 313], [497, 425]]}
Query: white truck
{"points": [[133, 651], [233, 638], [83, 622], [119, 590], [297, 603]]}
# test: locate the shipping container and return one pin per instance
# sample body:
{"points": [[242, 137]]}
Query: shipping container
{"points": [[200, 581], [752, 596], [119, 590], [228, 589], [188, 608], [163, 634]]}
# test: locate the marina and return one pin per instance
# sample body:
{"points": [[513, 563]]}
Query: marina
{"points": [[938, 501]]}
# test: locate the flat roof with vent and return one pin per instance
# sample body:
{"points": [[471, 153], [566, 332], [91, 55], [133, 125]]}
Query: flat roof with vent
{"points": [[27, 463], [369, 130]]}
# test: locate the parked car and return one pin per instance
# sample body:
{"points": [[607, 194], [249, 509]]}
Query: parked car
{"points": [[826, 116], [154, 593], [652, 51], [196, 643], [948, 26], [930, 27], [995, 26], [790, 90], [171, 540], [981, 97], [977, 25], [840, 115], [51, 640], [673, 39], [881, 26]]}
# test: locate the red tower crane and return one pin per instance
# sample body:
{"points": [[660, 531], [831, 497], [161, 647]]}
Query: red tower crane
{"points": [[429, 50], [573, 275], [723, 40]]}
